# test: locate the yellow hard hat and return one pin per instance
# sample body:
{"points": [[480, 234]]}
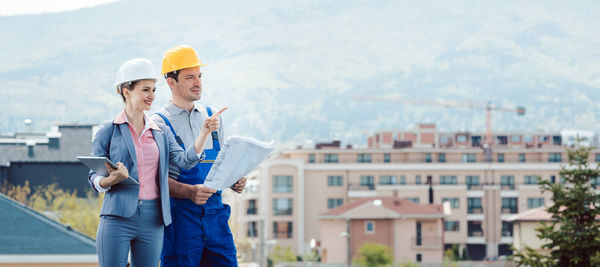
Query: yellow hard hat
{"points": [[180, 57]]}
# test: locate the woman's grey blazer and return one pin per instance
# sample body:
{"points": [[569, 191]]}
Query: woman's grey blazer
{"points": [[115, 142]]}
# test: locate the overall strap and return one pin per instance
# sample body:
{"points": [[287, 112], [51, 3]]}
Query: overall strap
{"points": [[177, 138], [215, 135]]}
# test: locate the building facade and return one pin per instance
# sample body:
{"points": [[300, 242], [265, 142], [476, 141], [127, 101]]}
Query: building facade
{"points": [[484, 186]]}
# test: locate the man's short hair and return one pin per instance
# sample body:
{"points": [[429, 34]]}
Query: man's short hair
{"points": [[173, 74]]}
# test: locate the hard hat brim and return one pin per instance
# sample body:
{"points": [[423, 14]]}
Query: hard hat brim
{"points": [[186, 67]]}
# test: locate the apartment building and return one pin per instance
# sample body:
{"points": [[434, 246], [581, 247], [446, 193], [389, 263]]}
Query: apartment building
{"points": [[484, 185]]}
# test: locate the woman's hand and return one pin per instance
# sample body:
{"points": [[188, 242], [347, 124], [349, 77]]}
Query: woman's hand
{"points": [[116, 175]]}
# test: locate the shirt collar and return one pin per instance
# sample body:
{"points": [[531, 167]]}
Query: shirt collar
{"points": [[148, 123], [173, 109]]}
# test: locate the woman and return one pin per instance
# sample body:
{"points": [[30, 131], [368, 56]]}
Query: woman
{"points": [[134, 216]]}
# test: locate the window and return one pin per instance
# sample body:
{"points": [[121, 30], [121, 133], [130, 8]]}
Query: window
{"points": [[418, 179], [335, 180], [509, 205], [402, 179], [507, 182], [502, 140], [521, 157], [311, 158], [500, 157], [368, 180], [454, 203], [251, 207], [331, 158], [334, 202], [507, 228], [531, 179], [448, 179], [475, 141], [469, 157], [597, 157], [282, 184], [428, 157], [472, 181], [474, 205], [461, 138], [282, 206], [515, 139], [282, 230], [363, 158], [527, 139], [413, 199], [419, 231], [419, 257], [386, 158], [442, 157], [369, 227], [552, 179], [387, 179], [555, 157], [535, 202], [474, 228], [451, 226], [252, 232], [595, 182], [557, 140]]}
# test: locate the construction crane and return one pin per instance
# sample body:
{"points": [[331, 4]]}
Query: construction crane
{"points": [[488, 107]]}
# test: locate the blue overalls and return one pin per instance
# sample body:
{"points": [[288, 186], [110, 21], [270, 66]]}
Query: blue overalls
{"points": [[199, 234]]}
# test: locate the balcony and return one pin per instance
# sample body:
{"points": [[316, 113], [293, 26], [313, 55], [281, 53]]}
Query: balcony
{"points": [[357, 190], [510, 210], [474, 187], [507, 187], [474, 210], [251, 211], [507, 233], [427, 242], [475, 233]]}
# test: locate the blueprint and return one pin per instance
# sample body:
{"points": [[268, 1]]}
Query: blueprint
{"points": [[238, 157]]}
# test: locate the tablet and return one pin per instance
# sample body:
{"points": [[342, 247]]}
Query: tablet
{"points": [[97, 164]]}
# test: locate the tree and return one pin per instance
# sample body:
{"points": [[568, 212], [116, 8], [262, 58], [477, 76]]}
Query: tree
{"points": [[282, 254], [573, 234], [372, 255]]}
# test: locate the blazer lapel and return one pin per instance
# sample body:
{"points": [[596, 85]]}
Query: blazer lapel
{"points": [[160, 142], [128, 139]]}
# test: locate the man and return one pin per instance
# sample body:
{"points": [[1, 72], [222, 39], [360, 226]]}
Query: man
{"points": [[199, 234]]}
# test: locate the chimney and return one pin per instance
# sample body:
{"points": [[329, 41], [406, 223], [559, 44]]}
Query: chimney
{"points": [[30, 145]]}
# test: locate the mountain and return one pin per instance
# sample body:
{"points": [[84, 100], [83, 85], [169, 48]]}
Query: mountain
{"points": [[287, 70]]}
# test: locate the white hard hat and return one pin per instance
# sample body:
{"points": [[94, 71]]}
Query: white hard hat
{"points": [[133, 70]]}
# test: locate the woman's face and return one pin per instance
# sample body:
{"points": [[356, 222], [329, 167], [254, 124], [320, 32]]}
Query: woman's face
{"points": [[141, 96]]}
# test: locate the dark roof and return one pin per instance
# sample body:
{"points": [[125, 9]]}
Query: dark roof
{"points": [[74, 141], [25, 231]]}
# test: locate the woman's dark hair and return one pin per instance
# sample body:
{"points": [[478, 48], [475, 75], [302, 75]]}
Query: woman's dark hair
{"points": [[128, 86]]}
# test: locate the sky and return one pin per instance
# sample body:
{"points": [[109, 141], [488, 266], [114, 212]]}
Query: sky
{"points": [[26, 7]]}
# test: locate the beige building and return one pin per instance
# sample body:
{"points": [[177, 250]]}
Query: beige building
{"points": [[484, 187]]}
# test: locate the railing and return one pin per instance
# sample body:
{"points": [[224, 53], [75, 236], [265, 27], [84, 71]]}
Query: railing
{"points": [[356, 187], [477, 210], [509, 210], [474, 187], [447, 160], [475, 233], [250, 211], [426, 241], [507, 186], [507, 233]]}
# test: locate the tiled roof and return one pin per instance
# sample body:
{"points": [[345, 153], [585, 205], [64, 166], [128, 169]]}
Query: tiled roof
{"points": [[384, 207], [537, 214], [25, 231]]}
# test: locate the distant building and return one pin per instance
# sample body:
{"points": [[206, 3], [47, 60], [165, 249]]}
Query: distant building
{"points": [[28, 238], [46, 158], [414, 232], [484, 188]]}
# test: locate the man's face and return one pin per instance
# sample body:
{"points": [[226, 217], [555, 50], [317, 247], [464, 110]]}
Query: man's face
{"points": [[189, 86]]}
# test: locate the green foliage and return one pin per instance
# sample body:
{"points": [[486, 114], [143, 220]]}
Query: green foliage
{"points": [[573, 234], [465, 255], [79, 213], [409, 264], [372, 255], [282, 254], [451, 254]]}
